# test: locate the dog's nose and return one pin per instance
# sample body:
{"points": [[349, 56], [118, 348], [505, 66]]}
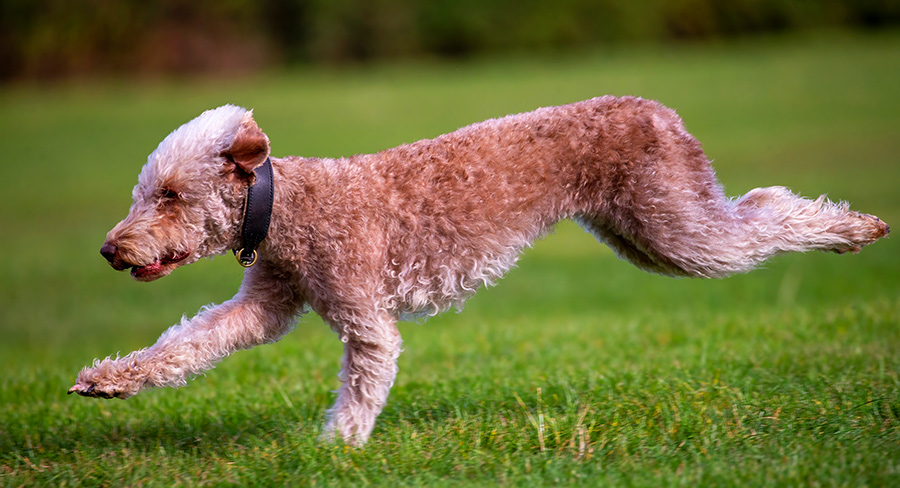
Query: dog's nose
{"points": [[109, 251]]}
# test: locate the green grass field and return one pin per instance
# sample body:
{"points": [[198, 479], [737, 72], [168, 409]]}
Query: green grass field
{"points": [[576, 369]]}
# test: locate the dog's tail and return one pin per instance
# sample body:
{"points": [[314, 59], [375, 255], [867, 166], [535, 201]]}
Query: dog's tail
{"points": [[716, 239]]}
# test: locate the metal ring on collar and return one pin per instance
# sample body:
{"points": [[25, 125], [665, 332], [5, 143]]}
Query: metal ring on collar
{"points": [[246, 261]]}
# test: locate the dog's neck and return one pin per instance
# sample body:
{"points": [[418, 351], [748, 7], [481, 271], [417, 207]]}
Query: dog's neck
{"points": [[257, 214]]}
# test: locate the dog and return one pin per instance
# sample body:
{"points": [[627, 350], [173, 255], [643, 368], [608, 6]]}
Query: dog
{"points": [[368, 240]]}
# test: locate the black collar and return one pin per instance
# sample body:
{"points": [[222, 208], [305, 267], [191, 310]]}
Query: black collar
{"points": [[257, 214]]}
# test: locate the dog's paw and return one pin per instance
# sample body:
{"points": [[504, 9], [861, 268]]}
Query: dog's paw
{"points": [[110, 378], [860, 230], [93, 391]]}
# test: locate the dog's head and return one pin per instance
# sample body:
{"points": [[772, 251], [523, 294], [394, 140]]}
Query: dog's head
{"points": [[189, 198]]}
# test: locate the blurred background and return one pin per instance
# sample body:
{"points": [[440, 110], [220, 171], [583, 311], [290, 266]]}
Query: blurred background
{"points": [[801, 93], [53, 39]]}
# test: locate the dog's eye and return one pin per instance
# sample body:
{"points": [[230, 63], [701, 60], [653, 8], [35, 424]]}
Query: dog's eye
{"points": [[168, 194]]}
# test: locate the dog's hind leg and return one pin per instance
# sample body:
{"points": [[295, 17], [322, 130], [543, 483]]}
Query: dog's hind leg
{"points": [[770, 221], [712, 238], [774, 220], [649, 191]]}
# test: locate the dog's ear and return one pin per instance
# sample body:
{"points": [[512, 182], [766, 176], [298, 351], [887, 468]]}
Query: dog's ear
{"points": [[250, 146]]}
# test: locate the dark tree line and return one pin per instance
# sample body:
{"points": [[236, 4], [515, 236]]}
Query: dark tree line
{"points": [[56, 38]]}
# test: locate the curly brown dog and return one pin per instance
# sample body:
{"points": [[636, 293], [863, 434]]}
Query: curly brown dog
{"points": [[367, 240]]}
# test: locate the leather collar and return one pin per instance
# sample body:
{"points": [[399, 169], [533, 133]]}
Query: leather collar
{"points": [[257, 214]]}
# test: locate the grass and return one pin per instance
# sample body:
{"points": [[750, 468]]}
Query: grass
{"points": [[576, 369]]}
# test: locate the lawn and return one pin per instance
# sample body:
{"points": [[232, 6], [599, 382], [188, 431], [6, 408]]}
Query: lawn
{"points": [[576, 369]]}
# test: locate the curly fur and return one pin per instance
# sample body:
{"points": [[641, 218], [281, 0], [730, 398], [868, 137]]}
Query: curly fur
{"points": [[368, 240]]}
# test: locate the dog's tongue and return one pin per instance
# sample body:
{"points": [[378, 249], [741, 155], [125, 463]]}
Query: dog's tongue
{"points": [[150, 269], [156, 267]]}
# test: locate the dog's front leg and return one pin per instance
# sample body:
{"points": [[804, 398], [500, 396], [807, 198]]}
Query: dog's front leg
{"points": [[368, 369], [256, 315]]}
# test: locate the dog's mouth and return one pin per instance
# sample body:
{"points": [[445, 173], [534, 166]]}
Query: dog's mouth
{"points": [[158, 268]]}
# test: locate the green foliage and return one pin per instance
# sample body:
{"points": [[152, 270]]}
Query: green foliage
{"points": [[576, 369], [53, 38]]}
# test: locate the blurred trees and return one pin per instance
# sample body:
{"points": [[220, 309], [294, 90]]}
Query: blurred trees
{"points": [[54, 38]]}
